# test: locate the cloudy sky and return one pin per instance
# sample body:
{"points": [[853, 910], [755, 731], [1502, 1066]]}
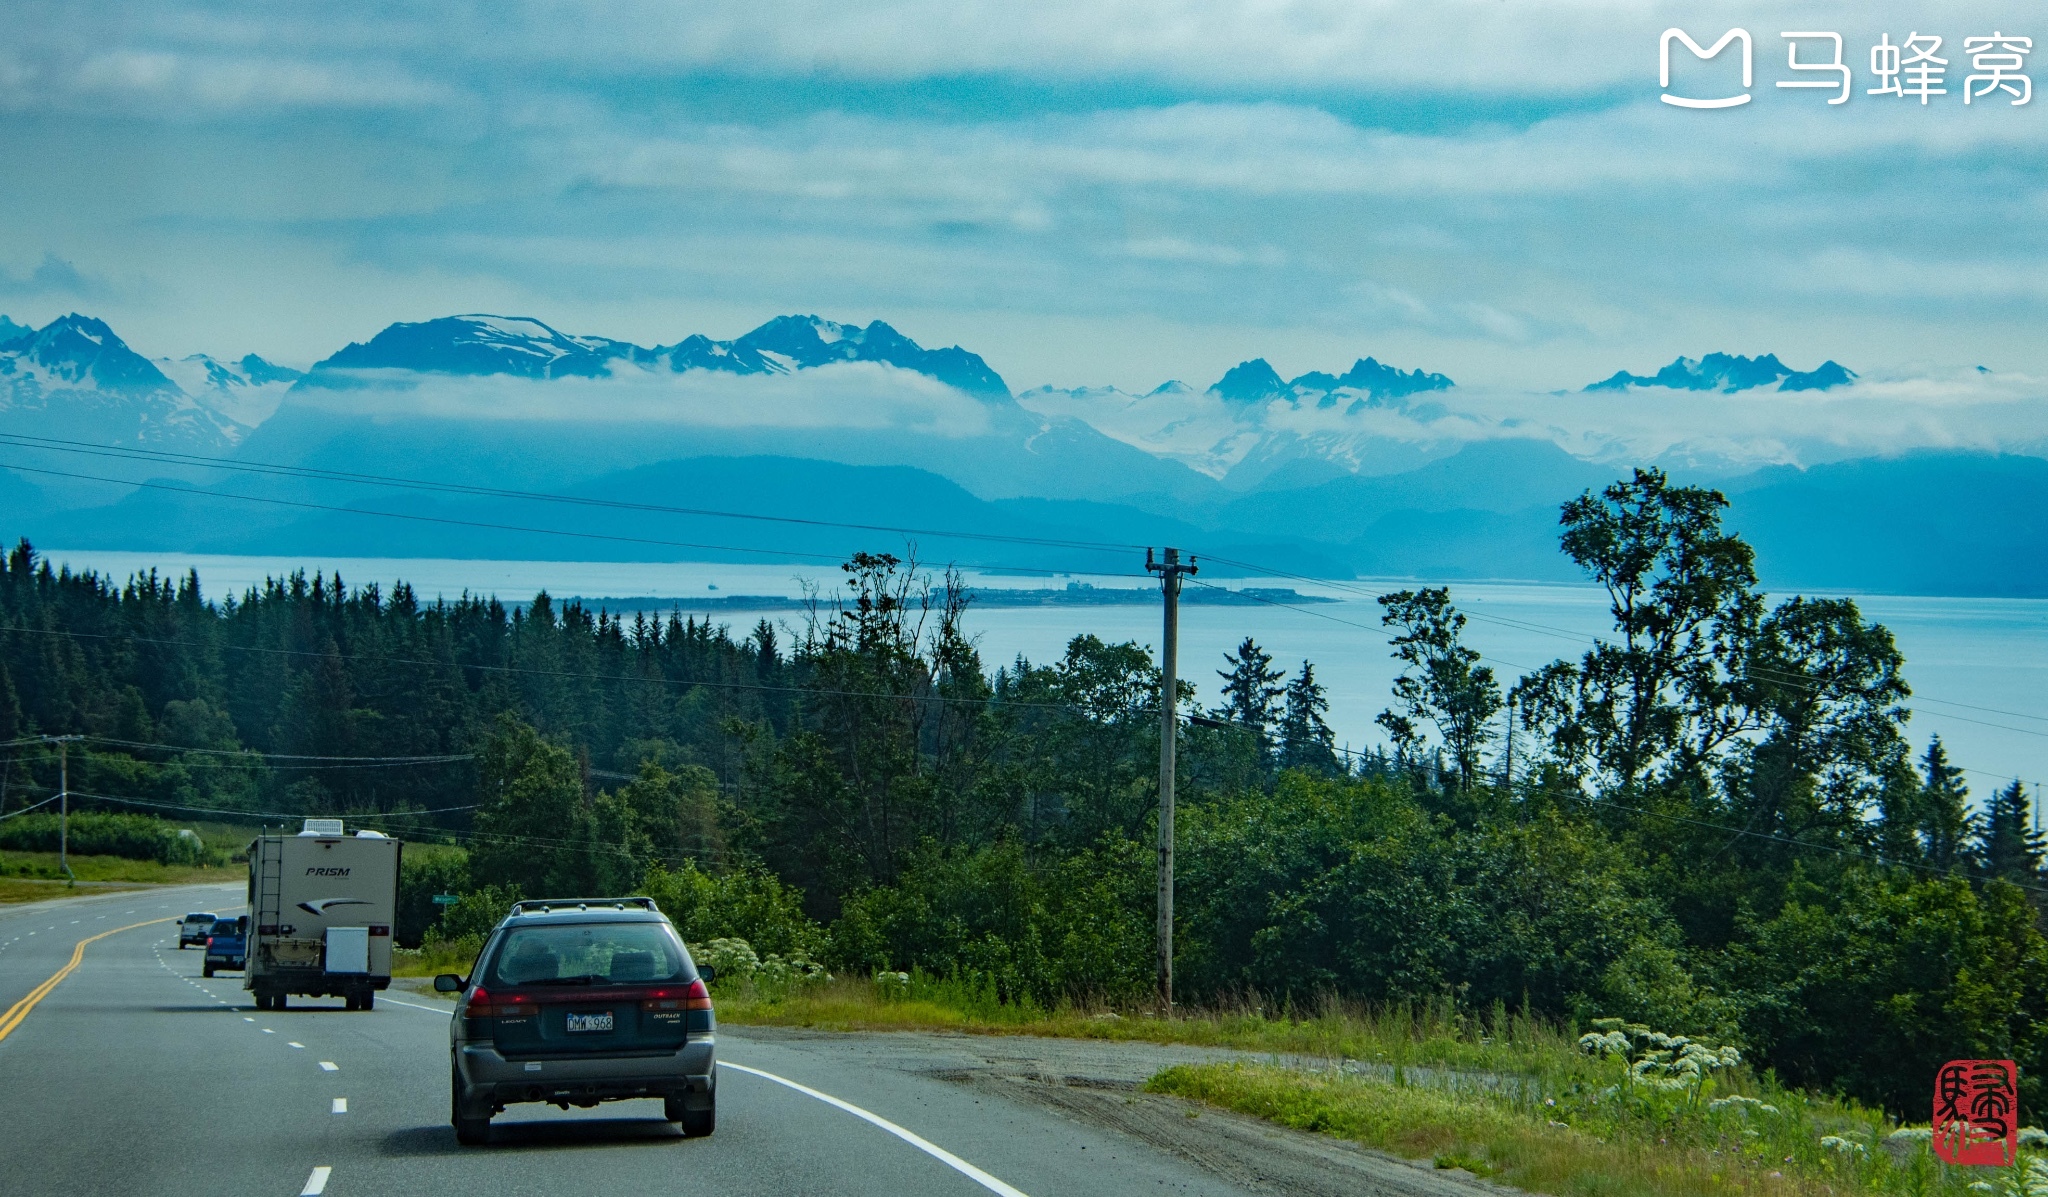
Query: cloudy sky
{"points": [[1084, 191]]}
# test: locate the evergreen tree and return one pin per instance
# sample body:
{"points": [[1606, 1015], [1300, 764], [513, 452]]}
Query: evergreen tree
{"points": [[1946, 824], [2007, 844], [1250, 688], [10, 706], [1306, 741]]}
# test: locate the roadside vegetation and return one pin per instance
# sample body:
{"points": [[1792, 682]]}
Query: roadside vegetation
{"points": [[39, 869], [1721, 1136], [1714, 824]]}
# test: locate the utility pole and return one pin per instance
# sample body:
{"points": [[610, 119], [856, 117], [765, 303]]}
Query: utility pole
{"points": [[1508, 759], [63, 744], [1169, 571]]}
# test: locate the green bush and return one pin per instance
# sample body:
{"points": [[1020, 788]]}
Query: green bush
{"points": [[1076, 927], [131, 837], [746, 903]]}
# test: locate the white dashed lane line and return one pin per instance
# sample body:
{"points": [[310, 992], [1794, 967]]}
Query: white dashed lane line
{"points": [[329, 1066], [300, 1046], [341, 1105], [316, 1183]]}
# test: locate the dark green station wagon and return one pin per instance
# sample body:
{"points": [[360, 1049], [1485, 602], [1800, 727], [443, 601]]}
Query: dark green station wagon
{"points": [[577, 1001]]}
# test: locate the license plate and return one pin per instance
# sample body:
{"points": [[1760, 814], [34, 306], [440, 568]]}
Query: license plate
{"points": [[591, 1022]]}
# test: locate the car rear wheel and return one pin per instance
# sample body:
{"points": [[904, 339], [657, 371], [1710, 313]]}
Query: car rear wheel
{"points": [[695, 1123], [207, 970], [472, 1127]]}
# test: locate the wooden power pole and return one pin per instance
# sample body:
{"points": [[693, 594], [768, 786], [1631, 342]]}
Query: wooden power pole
{"points": [[1169, 571]]}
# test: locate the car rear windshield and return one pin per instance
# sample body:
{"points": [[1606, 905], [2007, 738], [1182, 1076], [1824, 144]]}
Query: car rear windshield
{"points": [[199, 918], [588, 954], [225, 927]]}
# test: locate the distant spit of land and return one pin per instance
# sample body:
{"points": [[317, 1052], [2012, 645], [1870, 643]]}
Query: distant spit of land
{"points": [[1074, 594]]}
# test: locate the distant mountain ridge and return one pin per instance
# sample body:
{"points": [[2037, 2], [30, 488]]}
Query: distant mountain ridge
{"points": [[1730, 373], [483, 344], [1256, 380], [74, 379]]}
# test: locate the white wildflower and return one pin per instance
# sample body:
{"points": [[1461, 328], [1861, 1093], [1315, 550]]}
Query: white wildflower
{"points": [[1742, 1105], [1845, 1146]]}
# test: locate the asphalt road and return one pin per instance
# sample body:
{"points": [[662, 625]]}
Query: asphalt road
{"points": [[137, 1075]]}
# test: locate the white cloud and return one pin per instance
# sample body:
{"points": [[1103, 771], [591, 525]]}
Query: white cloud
{"points": [[847, 395]]}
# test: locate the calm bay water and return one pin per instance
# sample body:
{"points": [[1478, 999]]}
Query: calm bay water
{"points": [[1978, 667]]}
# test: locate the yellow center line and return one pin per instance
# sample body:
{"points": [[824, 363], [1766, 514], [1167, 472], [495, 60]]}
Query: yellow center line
{"points": [[20, 1009]]}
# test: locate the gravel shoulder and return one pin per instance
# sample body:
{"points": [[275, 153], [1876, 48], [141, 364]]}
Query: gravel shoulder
{"points": [[1100, 1084]]}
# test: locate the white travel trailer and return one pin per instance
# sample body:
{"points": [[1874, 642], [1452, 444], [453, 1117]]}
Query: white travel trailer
{"points": [[321, 906]]}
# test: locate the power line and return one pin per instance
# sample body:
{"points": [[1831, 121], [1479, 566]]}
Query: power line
{"points": [[1583, 638], [264, 814], [292, 756], [307, 472], [581, 675]]}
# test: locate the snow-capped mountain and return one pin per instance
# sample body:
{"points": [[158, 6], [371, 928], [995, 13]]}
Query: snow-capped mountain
{"points": [[1368, 383], [1729, 373], [1251, 422], [481, 344], [74, 379], [246, 391], [485, 344]]}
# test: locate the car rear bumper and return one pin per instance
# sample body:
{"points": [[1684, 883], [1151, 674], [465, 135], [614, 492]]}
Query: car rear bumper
{"points": [[690, 1072]]}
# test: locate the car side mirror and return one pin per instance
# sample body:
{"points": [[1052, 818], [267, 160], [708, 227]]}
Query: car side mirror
{"points": [[447, 983], [705, 973]]}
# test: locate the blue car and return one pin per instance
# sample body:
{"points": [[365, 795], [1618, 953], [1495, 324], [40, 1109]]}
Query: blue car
{"points": [[227, 945]]}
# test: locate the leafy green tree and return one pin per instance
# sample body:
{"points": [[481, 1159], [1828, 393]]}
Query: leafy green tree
{"points": [[2007, 844], [535, 832], [1822, 690], [1441, 681], [1869, 982], [1657, 698], [1082, 741]]}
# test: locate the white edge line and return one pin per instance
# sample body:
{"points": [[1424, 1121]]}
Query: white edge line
{"points": [[925, 1145], [316, 1182], [415, 1005]]}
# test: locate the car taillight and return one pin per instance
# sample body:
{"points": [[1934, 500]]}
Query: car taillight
{"points": [[483, 1005], [209, 941], [691, 997]]}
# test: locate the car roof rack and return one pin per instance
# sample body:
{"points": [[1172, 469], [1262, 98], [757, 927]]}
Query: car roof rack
{"points": [[551, 905]]}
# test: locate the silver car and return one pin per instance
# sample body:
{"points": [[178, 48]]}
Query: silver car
{"points": [[578, 1001], [195, 927]]}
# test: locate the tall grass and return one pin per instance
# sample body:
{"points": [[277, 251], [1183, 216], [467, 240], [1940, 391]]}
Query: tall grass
{"points": [[1604, 1140]]}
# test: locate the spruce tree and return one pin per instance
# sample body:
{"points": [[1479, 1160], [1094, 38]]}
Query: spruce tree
{"points": [[1946, 824], [2007, 844], [1306, 741], [1250, 687]]}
